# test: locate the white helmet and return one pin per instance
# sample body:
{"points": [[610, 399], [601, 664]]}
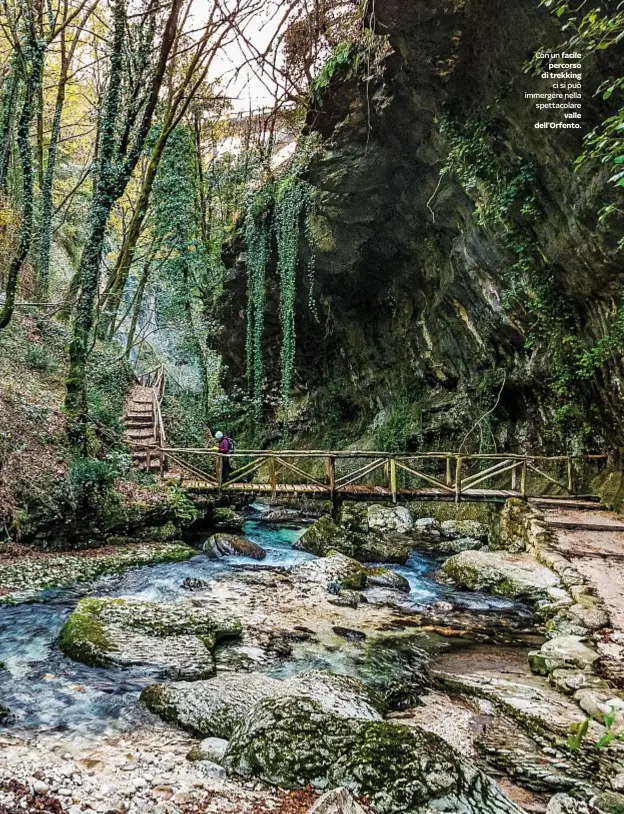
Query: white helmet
{"points": [[218, 435]]}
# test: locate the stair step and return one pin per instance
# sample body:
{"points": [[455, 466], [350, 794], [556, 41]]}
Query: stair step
{"points": [[564, 524], [139, 453], [581, 505], [154, 464], [141, 431], [143, 417]]}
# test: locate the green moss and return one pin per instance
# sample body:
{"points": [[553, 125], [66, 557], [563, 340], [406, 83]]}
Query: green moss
{"points": [[82, 637], [441, 511], [325, 535]]}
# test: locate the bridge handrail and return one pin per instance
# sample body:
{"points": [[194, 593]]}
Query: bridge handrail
{"points": [[316, 453]]}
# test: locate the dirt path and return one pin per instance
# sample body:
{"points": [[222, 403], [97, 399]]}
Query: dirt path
{"points": [[599, 556]]}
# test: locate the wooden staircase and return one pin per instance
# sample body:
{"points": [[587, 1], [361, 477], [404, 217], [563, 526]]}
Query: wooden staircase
{"points": [[143, 423]]}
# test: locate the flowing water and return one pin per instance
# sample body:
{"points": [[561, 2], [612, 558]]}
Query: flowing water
{"points": [[44, 689]]}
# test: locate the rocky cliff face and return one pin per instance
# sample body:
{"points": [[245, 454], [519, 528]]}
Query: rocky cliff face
{"points": [[461, 267]]}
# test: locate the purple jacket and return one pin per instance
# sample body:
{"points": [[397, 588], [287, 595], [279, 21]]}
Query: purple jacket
{"points": [[225, 445]]}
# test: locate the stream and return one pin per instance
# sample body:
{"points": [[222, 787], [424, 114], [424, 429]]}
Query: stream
{"points": [[47, 691]]}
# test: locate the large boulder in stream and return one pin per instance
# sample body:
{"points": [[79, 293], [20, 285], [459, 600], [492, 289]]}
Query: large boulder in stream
{"points": [[389, 518], [216, 707], [173, 640], [517, 576], [325, 535], [338, 569], [228, 545], [294, 743]]}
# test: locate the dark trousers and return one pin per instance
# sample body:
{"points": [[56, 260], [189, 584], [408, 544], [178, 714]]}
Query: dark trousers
{"points": [[226, 469]]}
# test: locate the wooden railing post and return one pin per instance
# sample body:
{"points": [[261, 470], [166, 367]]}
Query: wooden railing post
{"points": [[162, 463], [449, 474], [393, 480], [219, 468], [514, 478], [330, 466], [570, 476], [523, 478], [273, 477], [458, 474]]}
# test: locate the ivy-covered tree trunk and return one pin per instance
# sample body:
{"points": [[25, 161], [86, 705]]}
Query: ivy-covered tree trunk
{"points": [[116, 163], [36, 52], [88, 271], [9, 98], [47, 202]]}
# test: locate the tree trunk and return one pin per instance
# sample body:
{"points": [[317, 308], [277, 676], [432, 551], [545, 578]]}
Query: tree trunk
{"points": [[26, 160], [9, 98], [89, 268], [114, 174], [120, 275], [137, 305], [47, 206]]}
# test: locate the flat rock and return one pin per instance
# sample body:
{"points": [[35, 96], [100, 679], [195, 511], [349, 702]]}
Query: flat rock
{"points": [[563, 651], [174, 640], [229, 545], [592, 618], [214, 708], [517, 576], [571, 680], [293, 743]]}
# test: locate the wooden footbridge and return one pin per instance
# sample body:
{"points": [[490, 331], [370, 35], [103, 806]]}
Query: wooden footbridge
{"points": [[347, 474]]}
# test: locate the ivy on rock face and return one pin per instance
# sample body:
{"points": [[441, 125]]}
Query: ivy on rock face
{"points": [[257, 248], [276, 210]]}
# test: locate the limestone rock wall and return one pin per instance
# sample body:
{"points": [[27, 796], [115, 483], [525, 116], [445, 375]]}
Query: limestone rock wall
{"points": [[457, 248]]}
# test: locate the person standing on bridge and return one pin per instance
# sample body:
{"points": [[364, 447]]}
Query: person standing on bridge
{"points": [[225, 445]]}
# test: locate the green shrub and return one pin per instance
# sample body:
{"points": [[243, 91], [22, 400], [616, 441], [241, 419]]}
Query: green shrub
{"points": [[394, 433], [38, 358]]}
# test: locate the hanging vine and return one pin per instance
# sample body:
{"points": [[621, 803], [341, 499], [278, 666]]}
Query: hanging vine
{"points": [[258, 245], [276, 209], [295, 198]]}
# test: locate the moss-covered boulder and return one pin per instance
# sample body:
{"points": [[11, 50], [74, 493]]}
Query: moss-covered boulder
{"points": [[338, 569], [293, 743], [325, 535], [517, 576], [216, 707], [229, 545], [174, 640]]}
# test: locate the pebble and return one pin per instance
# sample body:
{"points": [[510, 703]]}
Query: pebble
{"points": [[39, 787], [211, 770]]}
